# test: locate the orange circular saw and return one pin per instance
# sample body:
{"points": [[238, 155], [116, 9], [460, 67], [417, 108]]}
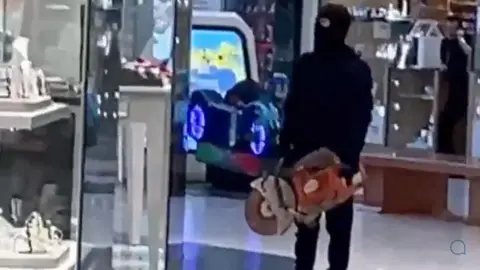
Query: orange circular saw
{"points": [[316, 186]]}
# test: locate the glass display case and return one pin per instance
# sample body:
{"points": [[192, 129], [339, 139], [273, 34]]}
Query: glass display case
{"points": [[412, 108], [41, 130], [414, 87]]}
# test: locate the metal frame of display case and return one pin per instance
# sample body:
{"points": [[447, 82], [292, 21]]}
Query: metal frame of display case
{"points": [[473, 116]]}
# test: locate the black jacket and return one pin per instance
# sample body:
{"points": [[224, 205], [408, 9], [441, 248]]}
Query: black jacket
{"points": [[329, 105], [455, 59]]}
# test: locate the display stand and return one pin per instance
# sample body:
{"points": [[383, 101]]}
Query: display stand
{"points": [[145, 113], [26, 103], [31, 113], [34, 246], [68, 262]]}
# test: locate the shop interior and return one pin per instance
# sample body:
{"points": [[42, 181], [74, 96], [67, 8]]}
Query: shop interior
{"points": [[226, 126], [219, 125]]}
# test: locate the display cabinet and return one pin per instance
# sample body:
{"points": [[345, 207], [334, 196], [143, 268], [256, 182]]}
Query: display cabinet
{"points": [[398, 52], [41, 127], [412, 108]]}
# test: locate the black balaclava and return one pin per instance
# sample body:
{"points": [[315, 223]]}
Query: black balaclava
{"points": [[331, 27]]}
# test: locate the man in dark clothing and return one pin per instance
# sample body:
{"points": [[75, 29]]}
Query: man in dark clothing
{"points": [[329, 105], [455, 53]]}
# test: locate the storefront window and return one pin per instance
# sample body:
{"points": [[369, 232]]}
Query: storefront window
{"points": [[126, 175], [41, 130]]}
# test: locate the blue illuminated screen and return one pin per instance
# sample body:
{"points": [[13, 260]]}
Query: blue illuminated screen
{"points": [[217, 60]]}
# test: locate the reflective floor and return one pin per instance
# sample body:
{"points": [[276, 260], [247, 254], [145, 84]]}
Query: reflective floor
{"points": [[216, 237]]}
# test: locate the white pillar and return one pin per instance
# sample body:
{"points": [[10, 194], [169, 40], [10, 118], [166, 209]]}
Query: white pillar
{"points": [[135, 133], [158, 164], [309, 13]]}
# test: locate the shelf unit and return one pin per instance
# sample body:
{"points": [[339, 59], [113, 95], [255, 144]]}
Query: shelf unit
{"points": [[412, 106]]}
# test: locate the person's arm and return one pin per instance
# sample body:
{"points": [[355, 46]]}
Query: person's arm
{"points": [[361, 103], [292, 103], [464, 44], [444, 51]]}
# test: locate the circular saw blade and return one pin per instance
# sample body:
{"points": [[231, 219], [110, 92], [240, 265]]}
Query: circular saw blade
{"points": [[269, 225]]}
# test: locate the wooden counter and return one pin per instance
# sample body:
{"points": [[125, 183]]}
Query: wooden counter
{"points": [[416, 182]]}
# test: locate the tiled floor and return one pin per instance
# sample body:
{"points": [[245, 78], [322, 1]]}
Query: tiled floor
{"points": [[215, 233]]}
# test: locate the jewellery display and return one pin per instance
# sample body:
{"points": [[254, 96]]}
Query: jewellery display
{"points": [[36, 236], [16, 209], [25, 97], [22, 82]]}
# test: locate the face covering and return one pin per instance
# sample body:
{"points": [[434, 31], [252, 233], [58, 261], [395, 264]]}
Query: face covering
{"points": [[331, 27], [327, 37]]}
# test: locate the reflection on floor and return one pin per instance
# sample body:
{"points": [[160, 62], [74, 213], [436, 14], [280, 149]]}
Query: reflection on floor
{"points": [[205, 257], [218, 237], [379, 242]]}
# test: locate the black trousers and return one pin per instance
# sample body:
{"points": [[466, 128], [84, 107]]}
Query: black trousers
{"points": [[455, 110], [339, 226]]}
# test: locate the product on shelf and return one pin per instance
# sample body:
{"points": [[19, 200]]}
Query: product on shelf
{"points": [[22, 85], [37, 244]]}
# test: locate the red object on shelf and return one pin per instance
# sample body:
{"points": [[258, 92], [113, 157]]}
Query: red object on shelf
{"points": [[162, 64]]}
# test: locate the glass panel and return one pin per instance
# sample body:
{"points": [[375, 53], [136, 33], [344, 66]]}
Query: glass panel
{"points": [[231, 123], [178, 223], [100, 168], [260, 16], [54, 31], [128, 170], [287, 35], [41, 128], [219, 63]]}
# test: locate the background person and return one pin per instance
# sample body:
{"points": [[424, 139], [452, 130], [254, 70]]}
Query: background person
{"points": [[455, 53]]}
